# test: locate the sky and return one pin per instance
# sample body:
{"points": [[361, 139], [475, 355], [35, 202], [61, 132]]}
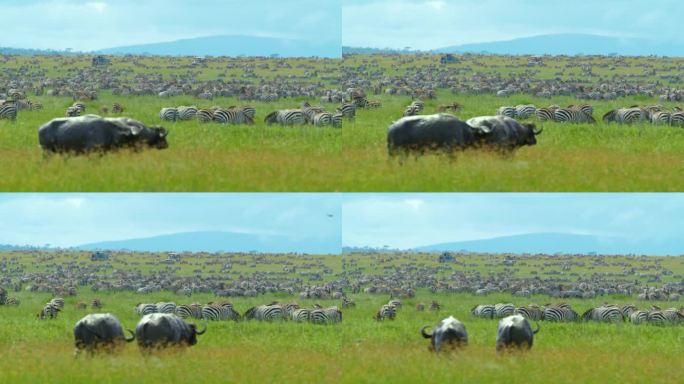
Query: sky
{"points": [[86, 25], [411, 220], [67, 220], [431, 24]]}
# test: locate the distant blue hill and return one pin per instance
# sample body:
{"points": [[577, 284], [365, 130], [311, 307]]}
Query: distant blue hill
{"points": [[572, 44], [232, 46], [220, 241], [550, 243]]}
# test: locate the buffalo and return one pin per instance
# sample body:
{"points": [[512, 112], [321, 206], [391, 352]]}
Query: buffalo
{"points": [[504, 132], [515, 332], [158, 330], [99, 331], [93, 133], [449, 332], [418, 133]]}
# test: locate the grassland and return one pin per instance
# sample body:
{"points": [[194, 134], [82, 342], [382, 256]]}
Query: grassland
{"points": [[357, 350]]}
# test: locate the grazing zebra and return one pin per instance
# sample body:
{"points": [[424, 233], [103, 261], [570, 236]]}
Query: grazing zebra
{"points": [[668, 316], [530, 312], [348, 303], [348, 110], [506, 111], [8, 111], [301, 315], [483, 310], [626, 115], [586, 108], [96, 303], [419, 105], [365, 103], [318, 316], [58, 302], [334, 315], [166, 307], [523, 111], [676, 118], [35, 106], [395, 303], [186, 113], [205, 115], [603, 314], [145, 309], [660, 117], [117, 108], [385, 312], [573, 115], [289, 308], [249, 111], [502, 310], [546, 114], [222, 311], [309, 111], [192, 310], [232, 115], [50, 311], [12, 301], [265, 313], [72, 112], [285, 117], [411, 110], [559, 314], [80, 106], [336, 120], [435, 306], [168, 114], [638, 317]]}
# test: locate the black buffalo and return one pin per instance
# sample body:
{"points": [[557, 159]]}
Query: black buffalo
{"points": [[99, 331], [515, 332], [94, 133], [449, 332], [418, 133], [504, 132], [158, 330]]}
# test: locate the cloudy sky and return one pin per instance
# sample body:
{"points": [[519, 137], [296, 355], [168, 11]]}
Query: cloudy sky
{"points": [[412, 220], [96, 24], [429, 24], [73, 219]]}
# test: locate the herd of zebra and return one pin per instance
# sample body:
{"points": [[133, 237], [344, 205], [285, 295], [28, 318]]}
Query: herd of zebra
{"points": [[563, 312], [9, 109]]}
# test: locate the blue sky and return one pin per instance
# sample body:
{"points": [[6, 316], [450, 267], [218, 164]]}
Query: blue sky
{"points": [[411, 220], [96, 24], [429, 24], [72, 219]]}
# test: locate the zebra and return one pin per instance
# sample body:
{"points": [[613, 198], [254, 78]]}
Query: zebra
{"points": [[12, 301], [626, 115], [301, 315], [186, 113], [661, 117], [50, 311], [559, 314], [586, 108], [435, 306], [168, 114], [348, 110], [191, 310], [483, 310], [285, 117], [35, 106], [411, 110], [531, 312], [668, 316], [502, 310], [348, 303], [603, 314], [72, 112], [419, 105], [117, 108], [336, 120], [205, 115], [334, 314], [271, 312], [506, 111], [222, 311], [80, 106], [523, 111], [546, 114], [676, 118], [638, 317], [249, 111], [166, 307], [231, 115], [572, 115], [309, 111], [363, 102], [385, 312], [58, 302], [8, 110], [318, 316], [96, 304], [395, 303], [145, 309], [289, 308]]}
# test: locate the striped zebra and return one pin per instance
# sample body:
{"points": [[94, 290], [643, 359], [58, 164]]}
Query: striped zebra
{"points": [[301, 315], [395, 303], [189, 311], [524, 111], [96, 304], [348, 303], [348, 110], [145, 309], [286, 117], [506, 111], [603, 315], [559, 314], [289, 308], [168, 114], [117, 108], [661, 117], [80, 106], [385, 312], [8, 110], [58, 302], [546, 114], [166, 307], [265, 313], [663, 317], [186, 113], [638, 317], [249, 111], [367, 104], [12, 301], [676, 118], [222, 311], [310, 111], [232, 115], [483, 310], [572, 115], [411, 110], [502, 310], [419, 105], [50, 311], [336, 120], [318, 316], [626, 115], [530, 312], [205, 115], [72, 112], [586, 108]]}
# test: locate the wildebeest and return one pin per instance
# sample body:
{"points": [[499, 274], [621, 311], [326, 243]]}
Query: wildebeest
{"points": [[418, 133], [99, 331], [449, 332], [515, 332], [158, 330], [91, 132], [504, 132]]}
